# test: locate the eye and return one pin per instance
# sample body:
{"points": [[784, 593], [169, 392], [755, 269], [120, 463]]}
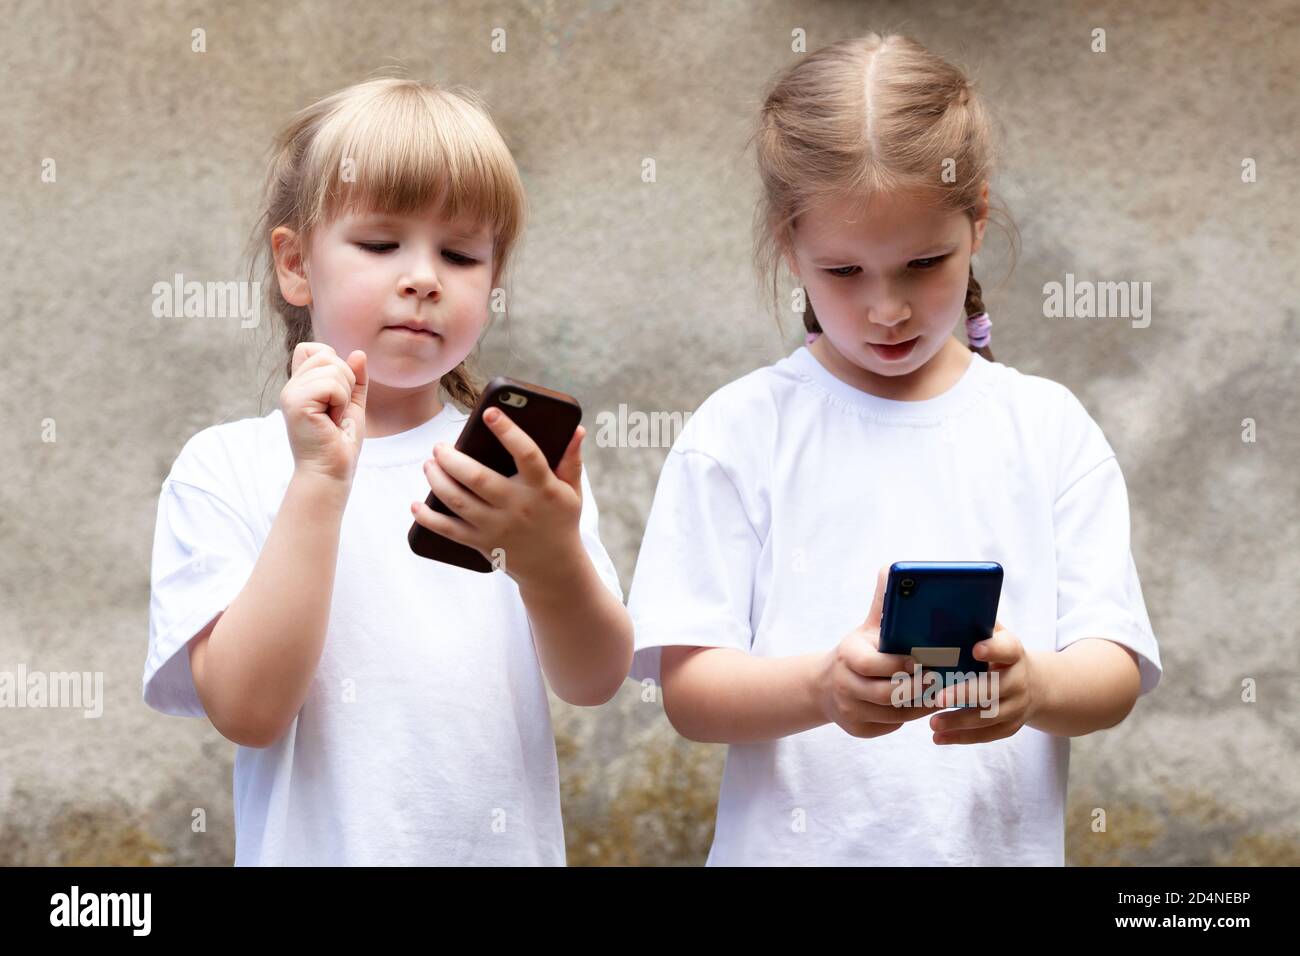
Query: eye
{"points": [[919, 265], [379, 248]]}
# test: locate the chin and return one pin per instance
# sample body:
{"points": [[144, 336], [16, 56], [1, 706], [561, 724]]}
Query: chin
{"points": [[408, 378]]}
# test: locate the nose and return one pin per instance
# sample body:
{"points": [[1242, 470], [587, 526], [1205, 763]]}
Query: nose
{"points": [[887, 310], [897, 317], [422, 283]]}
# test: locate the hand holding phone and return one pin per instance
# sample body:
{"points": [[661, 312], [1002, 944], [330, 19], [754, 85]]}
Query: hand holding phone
{"points": [[855, 681], [937, 611], [546, 423]]}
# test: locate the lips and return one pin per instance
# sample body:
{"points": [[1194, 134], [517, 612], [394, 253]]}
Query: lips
{"points": [[895, 352], [413, 327]]}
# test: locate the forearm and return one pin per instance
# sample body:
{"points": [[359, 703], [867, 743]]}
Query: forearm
{"points": [[257, 664], [1088, 686], [583, 634], [723, 695]]}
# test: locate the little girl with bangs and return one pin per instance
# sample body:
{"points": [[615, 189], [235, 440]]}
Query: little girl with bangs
{"points": [[388, 709]]}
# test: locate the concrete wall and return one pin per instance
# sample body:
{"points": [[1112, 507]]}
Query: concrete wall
{"points": [[1125, 165]]}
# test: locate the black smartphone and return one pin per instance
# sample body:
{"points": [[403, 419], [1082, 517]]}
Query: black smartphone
{"points": [[937, 611], [548, 417]]}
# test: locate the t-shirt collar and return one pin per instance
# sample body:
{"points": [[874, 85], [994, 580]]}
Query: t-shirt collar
{"points": [[413, 445], [967, 390]]}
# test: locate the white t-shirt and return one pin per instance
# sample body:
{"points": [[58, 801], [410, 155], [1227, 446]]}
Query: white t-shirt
{"points": [[426, 736], [780, 500]]}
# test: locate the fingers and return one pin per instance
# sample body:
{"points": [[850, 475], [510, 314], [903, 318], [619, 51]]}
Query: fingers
{"points": [[1002, 648], [994, 730], [969, 718], [529, 459], [880, 722], [357, 363], [336, 387], [876, 699], [569, 469], [303, 351], [949, 693], [867, 709], [353, 420], [464, 503], [310, 355], [859, 654], [889, 713], [877, 691], [325, 387], [878, 599], [867, 704], [487, 484], [873, 729], [448, 526]]}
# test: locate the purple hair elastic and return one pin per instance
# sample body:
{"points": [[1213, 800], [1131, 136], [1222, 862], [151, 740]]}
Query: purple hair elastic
{"points": [[810, 338], [977, 329]]}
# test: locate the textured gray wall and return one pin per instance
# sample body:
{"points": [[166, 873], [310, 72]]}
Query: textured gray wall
{"points": [[1120, 166]]}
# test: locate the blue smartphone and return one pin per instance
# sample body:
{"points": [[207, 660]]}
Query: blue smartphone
{"points": [[937, 611]]}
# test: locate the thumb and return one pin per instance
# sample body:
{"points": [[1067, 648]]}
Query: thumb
{"points": [[357, 362], [353, 420], [877, 602], [569, 470]]}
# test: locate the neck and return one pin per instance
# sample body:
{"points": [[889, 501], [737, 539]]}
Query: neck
{"points": [[931, 380], [390, 411]]}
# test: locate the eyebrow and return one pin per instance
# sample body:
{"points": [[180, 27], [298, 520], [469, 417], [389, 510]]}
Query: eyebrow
{"points": [[383, 218], [926, 252]]}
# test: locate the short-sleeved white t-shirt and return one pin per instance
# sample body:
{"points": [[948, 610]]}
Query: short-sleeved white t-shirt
{"points": [[780, 500], [426, 736]]}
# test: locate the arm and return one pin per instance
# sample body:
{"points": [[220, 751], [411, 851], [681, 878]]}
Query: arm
{"points": [[582, 633], [722, 695], [253, 664], [1090, 685]]}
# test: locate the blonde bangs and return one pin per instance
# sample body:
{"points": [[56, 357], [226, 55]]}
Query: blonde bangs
{"points": [[401, 149]]}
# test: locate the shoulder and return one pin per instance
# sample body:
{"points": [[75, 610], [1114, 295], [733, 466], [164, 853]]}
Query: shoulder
{"points": [[1060, 421], [1024, 391], [231, 452], [733, 421], [1051, 402]]}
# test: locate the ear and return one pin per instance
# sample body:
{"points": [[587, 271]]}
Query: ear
{"points": [[289, 266]]}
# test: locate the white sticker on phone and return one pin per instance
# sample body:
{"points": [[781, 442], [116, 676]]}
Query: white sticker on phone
{"points": [[937, 656]]}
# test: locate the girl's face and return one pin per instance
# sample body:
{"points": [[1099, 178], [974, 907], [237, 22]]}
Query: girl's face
{"points": [[895, 274], [368, 275]]}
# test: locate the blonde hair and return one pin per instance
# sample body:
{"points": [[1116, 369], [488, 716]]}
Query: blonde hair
{"points": [[874, 114], [410, 145]]}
